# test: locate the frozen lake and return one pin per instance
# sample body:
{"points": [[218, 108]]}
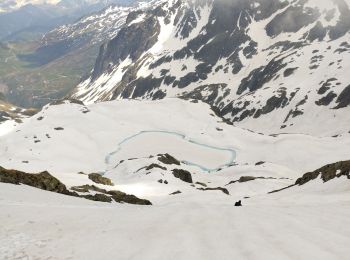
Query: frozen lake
{"points": [[143, 144]]}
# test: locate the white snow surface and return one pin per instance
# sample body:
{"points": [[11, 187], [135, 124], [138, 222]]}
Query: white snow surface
{"points": [[305, 222], [91, 136]]}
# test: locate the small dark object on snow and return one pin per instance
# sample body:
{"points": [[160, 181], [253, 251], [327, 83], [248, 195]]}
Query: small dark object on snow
{"points": [[238, 204], [175, 193]]}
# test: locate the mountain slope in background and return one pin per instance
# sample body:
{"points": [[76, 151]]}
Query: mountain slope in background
{"points": [[47, 68], [269, 66], [30, 19], [11, 5]]}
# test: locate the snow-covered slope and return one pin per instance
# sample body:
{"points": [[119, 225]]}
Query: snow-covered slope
{"points": [[270, 66], [70, 138], [78, 229], [122, 140]]}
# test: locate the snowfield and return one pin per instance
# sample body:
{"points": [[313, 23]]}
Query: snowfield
{"points": [[39, 225], [120, 139]]}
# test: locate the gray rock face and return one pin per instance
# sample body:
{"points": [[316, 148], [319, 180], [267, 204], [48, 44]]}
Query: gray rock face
{"points": [[132, 41], [243, 57], [327, 173]]}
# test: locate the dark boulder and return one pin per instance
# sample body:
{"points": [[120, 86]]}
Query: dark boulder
{"points": [[183, 175], [260, 163], [175, 193], [167, 159], [246, 179]]}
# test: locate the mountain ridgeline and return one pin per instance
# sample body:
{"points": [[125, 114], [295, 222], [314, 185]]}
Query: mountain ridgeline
{"points": [[254, 61]]}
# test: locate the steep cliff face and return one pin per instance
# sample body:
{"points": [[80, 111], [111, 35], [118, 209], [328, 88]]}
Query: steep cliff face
{"points": [[267, 65]]}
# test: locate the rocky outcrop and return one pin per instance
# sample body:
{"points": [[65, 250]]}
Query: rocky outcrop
{"points": [[154, 165], [243, 179], [168, 159], [122, 197], [68, 100], [175, 193], [344, 98], [217, 189], [43, 181], [108, 196], [97, 178], [183, 175], [327, 173], [98, 197]]}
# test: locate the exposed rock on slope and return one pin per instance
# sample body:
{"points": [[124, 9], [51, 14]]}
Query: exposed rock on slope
{"points": [[43, 181], [168, 159], [327, 173], [183, 175], [117, 196], [46, 181], [97, 178]]}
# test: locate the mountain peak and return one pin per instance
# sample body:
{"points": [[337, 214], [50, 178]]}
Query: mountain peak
{"points": [[251, 60]]}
